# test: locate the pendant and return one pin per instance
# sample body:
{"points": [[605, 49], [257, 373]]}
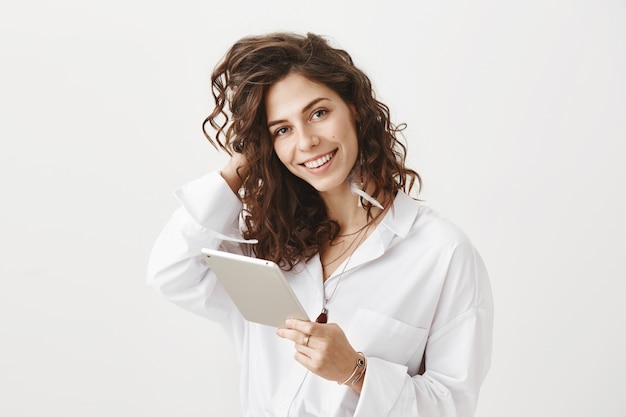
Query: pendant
{"points": [[323, 317]]}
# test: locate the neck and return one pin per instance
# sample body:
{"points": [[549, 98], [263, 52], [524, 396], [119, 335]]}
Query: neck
{"points": [[343, 207]]}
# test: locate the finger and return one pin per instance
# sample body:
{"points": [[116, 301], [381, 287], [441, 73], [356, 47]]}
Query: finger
{"points": [[303, 326], [305, 359], [290, 334], [314, 361], [295, 336]]}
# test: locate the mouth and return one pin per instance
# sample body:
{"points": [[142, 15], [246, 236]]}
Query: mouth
{"points": [[319, 162]]}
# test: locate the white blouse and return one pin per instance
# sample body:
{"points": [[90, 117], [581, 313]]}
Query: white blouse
{"points": [[414, 298]]}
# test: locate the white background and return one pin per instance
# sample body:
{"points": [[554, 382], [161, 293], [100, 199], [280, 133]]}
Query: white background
{"points": [[516, 120]]}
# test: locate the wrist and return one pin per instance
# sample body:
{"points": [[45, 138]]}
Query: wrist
{"points": [[232, 179], [234, 172], [356, 377]]}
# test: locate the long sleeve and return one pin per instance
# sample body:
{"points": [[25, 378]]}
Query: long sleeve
{"points": [[416, 289], [208, 217], [457, 354]]}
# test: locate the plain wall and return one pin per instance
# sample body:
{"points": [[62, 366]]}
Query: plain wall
{"points": [[516, 114]]}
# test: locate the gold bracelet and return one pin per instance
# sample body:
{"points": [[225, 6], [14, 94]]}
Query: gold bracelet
{"points": [[360, 375], [360, 363]]}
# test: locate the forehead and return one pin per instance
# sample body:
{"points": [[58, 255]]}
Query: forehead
{"points": [[289, 96]]}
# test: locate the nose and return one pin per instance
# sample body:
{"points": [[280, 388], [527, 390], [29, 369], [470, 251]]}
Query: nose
{"points": [[307, 139]]}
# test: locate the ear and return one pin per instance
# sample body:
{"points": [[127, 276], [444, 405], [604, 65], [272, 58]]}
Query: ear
{"points": [[355, 115]]}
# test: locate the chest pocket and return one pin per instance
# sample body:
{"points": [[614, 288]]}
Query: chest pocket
{"points": [[384, 337]]}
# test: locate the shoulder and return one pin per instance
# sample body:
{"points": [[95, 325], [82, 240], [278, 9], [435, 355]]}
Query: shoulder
{"points": [[432, 225], [416, 220], [465, 280], [422, 233]]}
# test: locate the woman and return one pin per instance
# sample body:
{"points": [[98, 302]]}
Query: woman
{"points": [[317, 183]]}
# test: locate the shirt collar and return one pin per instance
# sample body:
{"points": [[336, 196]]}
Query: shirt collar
{"points": [[401, 215], [397, 222]]}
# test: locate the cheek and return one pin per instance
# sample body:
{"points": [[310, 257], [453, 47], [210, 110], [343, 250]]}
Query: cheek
{"points": [[284, 154]]}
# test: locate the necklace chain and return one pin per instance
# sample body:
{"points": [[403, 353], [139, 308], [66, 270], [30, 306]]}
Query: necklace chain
{"points": [[343, 252], [323, 317], [359, 238], [359, 230]]}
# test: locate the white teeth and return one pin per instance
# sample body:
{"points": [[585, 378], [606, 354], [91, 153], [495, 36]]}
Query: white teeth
{"points": [[319, 162]]}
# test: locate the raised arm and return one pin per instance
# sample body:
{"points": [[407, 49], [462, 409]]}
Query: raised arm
{"points": [[208, 217]]}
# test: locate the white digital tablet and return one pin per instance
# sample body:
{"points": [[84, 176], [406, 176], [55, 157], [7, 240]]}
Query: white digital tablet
{"points": [[257, 287]]}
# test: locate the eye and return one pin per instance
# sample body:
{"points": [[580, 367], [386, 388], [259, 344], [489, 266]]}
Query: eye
{"points": [[281, 131], [319, 113]]}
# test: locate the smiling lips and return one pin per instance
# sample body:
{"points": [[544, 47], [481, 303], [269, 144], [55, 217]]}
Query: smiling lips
{"points": [[316, 163]]}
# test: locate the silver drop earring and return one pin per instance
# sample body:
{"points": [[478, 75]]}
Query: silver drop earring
{"points": [[361, 165], [360, 202], [360, 191]]}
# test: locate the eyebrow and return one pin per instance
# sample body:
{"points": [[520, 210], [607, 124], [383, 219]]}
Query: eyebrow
{"points": [[304, 110]]}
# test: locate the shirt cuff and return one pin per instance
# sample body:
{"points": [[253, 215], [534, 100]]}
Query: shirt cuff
{"points": [[209, 201], [383, 384]]}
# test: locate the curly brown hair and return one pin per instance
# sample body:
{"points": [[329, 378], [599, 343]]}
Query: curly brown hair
{"points": [[284, 213]]}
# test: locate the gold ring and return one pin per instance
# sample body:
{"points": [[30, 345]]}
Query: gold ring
{"points": [[306, 340]]}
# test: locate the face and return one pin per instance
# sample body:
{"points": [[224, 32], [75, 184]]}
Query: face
{"points": [[313, 131]]}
